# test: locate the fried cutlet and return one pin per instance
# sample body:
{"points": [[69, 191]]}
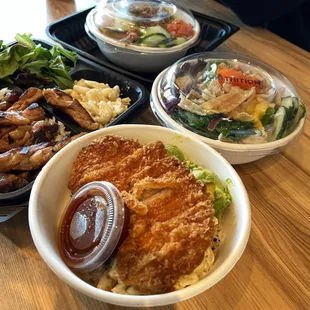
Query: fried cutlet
{"points": [[171, 220], [102, 155], [171, 239], [121, 163]]}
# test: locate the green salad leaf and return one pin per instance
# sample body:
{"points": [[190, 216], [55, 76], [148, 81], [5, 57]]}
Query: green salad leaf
{"points": [[25, 40], [219, 191], [51, 66], [10, 58], [230, 129]]}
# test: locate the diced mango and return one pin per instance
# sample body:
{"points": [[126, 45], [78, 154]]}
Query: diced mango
{"points": [[251, 107], [258, 110]]}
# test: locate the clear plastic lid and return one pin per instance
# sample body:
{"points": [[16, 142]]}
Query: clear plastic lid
{"points": [[92, 226], [231, 98], [147, 23]]}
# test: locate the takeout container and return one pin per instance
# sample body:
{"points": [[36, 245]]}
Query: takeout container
{"points": [[234, 153], [50, 195], [70, 33], [13, 202], [132, 56]]}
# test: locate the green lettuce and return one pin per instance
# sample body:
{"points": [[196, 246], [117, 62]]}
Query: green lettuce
{"points": [[221, 194], [28, 57], [230, 129]]}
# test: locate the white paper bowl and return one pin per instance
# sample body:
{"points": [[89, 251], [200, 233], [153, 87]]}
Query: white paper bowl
{"points": [[234, 153], [138, 58], [50, 195]]}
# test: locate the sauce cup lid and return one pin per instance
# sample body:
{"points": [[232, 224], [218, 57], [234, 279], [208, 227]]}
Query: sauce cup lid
{"points": [[91, 226]]}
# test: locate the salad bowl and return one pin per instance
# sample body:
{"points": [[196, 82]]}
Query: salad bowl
{"points": [[243, 108], [142, 42]]}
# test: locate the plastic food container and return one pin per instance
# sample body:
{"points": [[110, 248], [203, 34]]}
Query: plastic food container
{"points": [[142, 36], [46, 210], [242, 107], [13, 202]]}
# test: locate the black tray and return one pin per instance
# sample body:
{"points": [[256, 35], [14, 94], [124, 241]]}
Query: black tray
{"points": [[92, 71], [70, 33]]}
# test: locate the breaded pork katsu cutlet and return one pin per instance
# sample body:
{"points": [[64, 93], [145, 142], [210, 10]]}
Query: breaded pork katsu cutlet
{"points": [[98, 160], [171, 215]]}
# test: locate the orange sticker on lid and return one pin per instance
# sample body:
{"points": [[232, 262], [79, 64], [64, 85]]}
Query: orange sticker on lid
{"points": [[237, 78]]}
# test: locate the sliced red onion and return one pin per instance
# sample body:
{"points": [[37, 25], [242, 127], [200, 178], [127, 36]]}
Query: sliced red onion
{"points": [[214, 122], [171, 103]]}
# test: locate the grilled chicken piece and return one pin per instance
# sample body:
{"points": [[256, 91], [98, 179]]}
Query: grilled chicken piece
{"points": [[44, 131], [19, 132], [9, 98], [41, 131], [12, 182], [17, 158], [6, 130], [30, 96], [58, 98], [32, 113], [20, 136], [64, 102], [12, 118], [32, 157], [4, 105], [13, 95]]}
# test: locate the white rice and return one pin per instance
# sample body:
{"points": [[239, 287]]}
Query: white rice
{"points": [[3, 92], [61, 132]]}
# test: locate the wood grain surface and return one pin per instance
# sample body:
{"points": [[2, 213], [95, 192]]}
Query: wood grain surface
{"points": [[274, 271]]}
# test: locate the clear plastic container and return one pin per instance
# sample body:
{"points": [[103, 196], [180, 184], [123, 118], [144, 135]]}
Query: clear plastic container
{"points": [[232, 98], [93, 224], [151, 23], [142, 28], [242, 107]]}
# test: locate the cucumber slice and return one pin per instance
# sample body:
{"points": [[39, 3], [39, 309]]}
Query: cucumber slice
{"points": [[296, 106], [291, 104], [279, 123], [153, 40], [267, 116], [155, 30], [299, 115], [175, 41]]}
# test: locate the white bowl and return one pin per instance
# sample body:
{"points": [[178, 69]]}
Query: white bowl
{"points": [[50, 195], [234, 153], [139, 58]]}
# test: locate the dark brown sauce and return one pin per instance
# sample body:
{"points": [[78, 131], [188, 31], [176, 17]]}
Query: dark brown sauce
{"points": [[82, 229], [78, 233]]}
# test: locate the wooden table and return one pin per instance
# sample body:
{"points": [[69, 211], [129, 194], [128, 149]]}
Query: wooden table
{"points": [[274, 271]]}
